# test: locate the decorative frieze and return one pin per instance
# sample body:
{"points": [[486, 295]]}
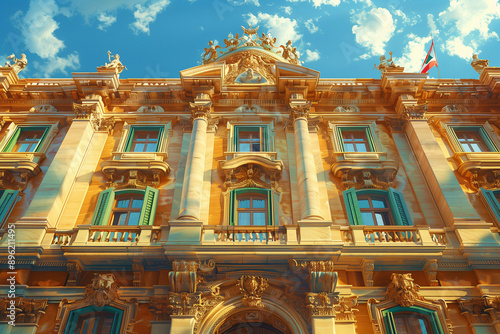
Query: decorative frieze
{"points": [[252, 288]]}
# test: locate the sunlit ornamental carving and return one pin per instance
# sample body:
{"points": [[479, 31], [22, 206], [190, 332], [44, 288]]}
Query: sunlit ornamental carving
{"points": [[115, 63], [19, 64], [250, 38], [385, 64], [252, 288], [479, 64], [403, 290]]}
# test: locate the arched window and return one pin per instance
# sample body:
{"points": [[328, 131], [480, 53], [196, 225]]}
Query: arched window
{"points": [[251, 207], [411, 320], [374, 207], [126, 207], [92, 319]]}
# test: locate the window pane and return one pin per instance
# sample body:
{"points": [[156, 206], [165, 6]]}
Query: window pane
{"points": [[119, 218], [138, 147], [244, 203], [259, 204], [259, 218], [151, 147], [361, 148], [378, 203], [380, 219], [123, 203], [137, 203], [256, 147], [367, 218], [244, 218], [24, 148], [363, 203], [349, 147], [244, 147], [134, 218]]}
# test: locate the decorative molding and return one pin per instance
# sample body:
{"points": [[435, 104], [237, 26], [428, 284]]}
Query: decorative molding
{"points": [[345, 309], [138, 269], [346, 109], [250, 171], [299, 108], [367, 271], [160, 308], [480, 310], [135, 170], [322, 304], [27, 311], [455, 108], [150, 109], [102, 291], [403, 291], [92, 108], [75, 271], [322, 278], [185, 275], [430, 271], [368, 174], [252, 288], [43, 108], [201, 107]]}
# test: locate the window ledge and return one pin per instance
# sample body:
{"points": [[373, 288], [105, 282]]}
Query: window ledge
{"points": [[141, 171], [482, 170], [142, 156], [247, 169], [233, 155], [361, 156], [365, 173], [17, 168]]}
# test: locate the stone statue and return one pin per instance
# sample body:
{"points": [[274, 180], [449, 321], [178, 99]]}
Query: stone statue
{"points": [[250, 77], [115, 63], [290, 53], [19, 64], [385, 64], [211, 51], [479, 64]]}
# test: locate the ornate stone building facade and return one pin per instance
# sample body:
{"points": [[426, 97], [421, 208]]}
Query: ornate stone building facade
{"points": [[250, 195]]}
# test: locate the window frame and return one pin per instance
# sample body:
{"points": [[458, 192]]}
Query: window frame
{"points": [[484, 131], [431, 315], [267, 135], [371, 133], [14, 131], [75, 315], [8, 199], [233, 206], [492, 203], [129, 130], [400, 213], [106, 202]]}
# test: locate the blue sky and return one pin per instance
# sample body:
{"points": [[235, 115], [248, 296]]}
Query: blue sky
{"points": [[159, 38]]}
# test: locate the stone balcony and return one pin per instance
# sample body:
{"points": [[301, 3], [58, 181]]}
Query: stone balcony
{"points": [[17, 168], [482, 169]]}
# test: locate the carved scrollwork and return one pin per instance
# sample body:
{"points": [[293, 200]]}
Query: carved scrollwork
{"points": [[346, 109], [250, 171], [366, 175], [102, 291], [322, 277], [252, 288], [322, 304], [185, 275], [27, 311], [345, 309], [299, 110], [403, 290], [454, 108]]}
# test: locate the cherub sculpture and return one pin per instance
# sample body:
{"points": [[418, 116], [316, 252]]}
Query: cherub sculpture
{"points": [[115, 63], [267, 42], [290, 53], [19, 64], [385, 64], [479, 64], [211, 51], [232, 42]]}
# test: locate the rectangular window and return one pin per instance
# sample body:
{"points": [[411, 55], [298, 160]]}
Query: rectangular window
{"points": [[356, 139], [144, 139], [250, 207], [250, 139], [473, 139], [27, 139]]}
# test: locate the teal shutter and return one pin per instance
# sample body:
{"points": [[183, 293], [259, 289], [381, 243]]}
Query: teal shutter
{"points": [[148, 210], [399, 209], [491, 203], [390, 326], [352, 207], [265, 140], [44, 135], [130, 137], [104, 207], [7, 204], [12, 141]]}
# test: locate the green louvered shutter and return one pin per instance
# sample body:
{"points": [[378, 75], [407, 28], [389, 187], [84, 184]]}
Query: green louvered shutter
{"points": [[130, 137], [12, 141], [491, 203], [148, 210], [352, 207], [104, 207], [232, 207], [44, 135], [399, 209], [7, 201]]}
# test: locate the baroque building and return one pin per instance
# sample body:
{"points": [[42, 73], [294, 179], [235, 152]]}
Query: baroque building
{"points": [[250, 195]]}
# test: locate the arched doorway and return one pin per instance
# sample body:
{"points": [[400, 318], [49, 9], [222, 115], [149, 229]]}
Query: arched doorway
{"points": [[253, 321]]}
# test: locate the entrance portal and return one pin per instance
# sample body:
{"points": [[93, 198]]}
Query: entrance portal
{"points": [[253, 322]]}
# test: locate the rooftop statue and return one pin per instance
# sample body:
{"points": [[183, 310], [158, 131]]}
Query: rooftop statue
{"points": [[385, 64], [115, 63], [290, 53], [250, 39], [479, 64], [19, 64], [211, 51]]}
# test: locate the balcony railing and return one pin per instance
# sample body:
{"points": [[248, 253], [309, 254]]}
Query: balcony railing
{"points": [[249, 234], [62, 238], [380, 234], [114, 234]]}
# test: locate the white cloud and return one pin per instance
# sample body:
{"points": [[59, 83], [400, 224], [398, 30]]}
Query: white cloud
{"points": [[432, 24], [311, 27], [456, 47], [414, 53], [58, 64], [106, 20], [287, 9], [145, 15], [312, 55], [472, 15], [283, 28], [90, 8], [38, 26], [373, 29], [318, 3], [243, 2]]}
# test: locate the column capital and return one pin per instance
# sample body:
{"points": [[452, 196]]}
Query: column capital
{"points": [[322, 304], [92, 108], [299, 107], [201, 107], [322, 278]]}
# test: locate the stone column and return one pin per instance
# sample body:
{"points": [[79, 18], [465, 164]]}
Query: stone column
{"points": [[313, 227], [28, 314], [187, 228], [80, 149]]}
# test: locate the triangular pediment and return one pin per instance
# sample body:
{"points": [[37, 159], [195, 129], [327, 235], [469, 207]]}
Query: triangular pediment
{"points": [[203, 75]]}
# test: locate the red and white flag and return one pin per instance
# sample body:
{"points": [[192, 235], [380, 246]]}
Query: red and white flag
{"points": [[430, 60]]}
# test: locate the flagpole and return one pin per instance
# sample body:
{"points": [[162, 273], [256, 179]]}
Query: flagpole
{"points": [[435, 53]]}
